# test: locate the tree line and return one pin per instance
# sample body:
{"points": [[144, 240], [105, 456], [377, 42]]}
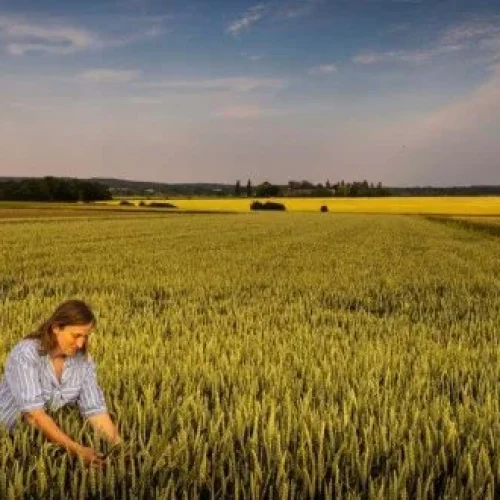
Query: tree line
{"points": [[363, 188], [53, 189], [305, 188], [94, 189]]}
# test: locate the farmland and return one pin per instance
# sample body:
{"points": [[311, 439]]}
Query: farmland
{"points": [[480, 206], [466, 206], [286, 354]]}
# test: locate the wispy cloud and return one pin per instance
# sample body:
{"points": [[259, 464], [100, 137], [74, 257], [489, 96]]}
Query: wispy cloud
{"points": [[408, 56], [323, 69], [300, 8], [106, 75], [474, 30], [21, 36], [250, 17], [479, 34], [239, 84], [288, 10]]}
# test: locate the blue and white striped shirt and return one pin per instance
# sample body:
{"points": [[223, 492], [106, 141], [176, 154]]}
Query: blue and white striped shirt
{"points": [[30, 383]]}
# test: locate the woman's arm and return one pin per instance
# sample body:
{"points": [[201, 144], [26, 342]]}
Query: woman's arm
{"points": [[44, 422], [103, 424], [93, 408]]}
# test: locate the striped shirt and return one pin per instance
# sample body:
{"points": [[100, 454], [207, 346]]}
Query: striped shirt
{"points": [[30, 383]]}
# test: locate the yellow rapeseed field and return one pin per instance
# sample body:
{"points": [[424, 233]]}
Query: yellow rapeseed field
{"points": [[393, 205]]}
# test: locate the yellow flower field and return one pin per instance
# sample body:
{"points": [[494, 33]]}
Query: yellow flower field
{"points": [[395, 205]]}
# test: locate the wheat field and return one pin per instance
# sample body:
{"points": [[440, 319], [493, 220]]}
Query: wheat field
{"points": [[269, 355]]}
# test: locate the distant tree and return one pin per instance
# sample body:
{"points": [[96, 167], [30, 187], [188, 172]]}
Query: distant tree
{"points": [[53, 189], [306, 184], [342, 189], [237, 189], [249, 188], [92, 191], [267, 190], [327, 184]]}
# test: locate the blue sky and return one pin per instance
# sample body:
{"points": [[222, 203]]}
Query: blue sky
{"points": [[399, 91]]}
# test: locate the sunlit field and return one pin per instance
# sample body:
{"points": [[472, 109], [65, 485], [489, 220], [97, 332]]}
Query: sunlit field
{"points": [[492, 221], [457, 206], [268, 355], [401, 205]]}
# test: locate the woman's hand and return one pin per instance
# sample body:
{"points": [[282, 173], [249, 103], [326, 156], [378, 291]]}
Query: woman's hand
{"points": [[44, 422], [91, 457]]}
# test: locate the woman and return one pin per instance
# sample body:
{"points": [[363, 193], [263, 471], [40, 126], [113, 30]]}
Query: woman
{"points": [[52, 367]]}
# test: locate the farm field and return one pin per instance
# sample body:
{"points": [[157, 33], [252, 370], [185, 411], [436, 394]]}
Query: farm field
{"points": [[485, 224], [481, 220], [269, 355], [452, 206], [393, 205]]}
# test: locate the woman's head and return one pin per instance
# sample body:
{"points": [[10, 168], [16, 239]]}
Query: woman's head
{"points": [[66, 331]]}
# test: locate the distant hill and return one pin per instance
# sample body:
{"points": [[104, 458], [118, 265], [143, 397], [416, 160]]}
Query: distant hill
{"points": [[127, 187], [157, 186]]}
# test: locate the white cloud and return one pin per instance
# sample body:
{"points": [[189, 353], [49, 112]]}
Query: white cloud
{"points": [[479, 34], [408, 56], [105, 75], [21, 36], [239, 84], [251, 16], [482, 35], [255, 57], [323, 69], [301, 8], [288, 10], [477, 29]]}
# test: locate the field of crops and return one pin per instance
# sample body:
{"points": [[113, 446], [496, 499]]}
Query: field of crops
{"points": [[471, 205], [484, 206], [269, 355]]}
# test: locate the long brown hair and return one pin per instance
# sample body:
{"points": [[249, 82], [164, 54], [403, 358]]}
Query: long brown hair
{"points": [[71, 312]]}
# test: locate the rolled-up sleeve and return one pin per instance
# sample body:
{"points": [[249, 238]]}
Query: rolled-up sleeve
{"points": [[91, 398], [22, 375]]}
